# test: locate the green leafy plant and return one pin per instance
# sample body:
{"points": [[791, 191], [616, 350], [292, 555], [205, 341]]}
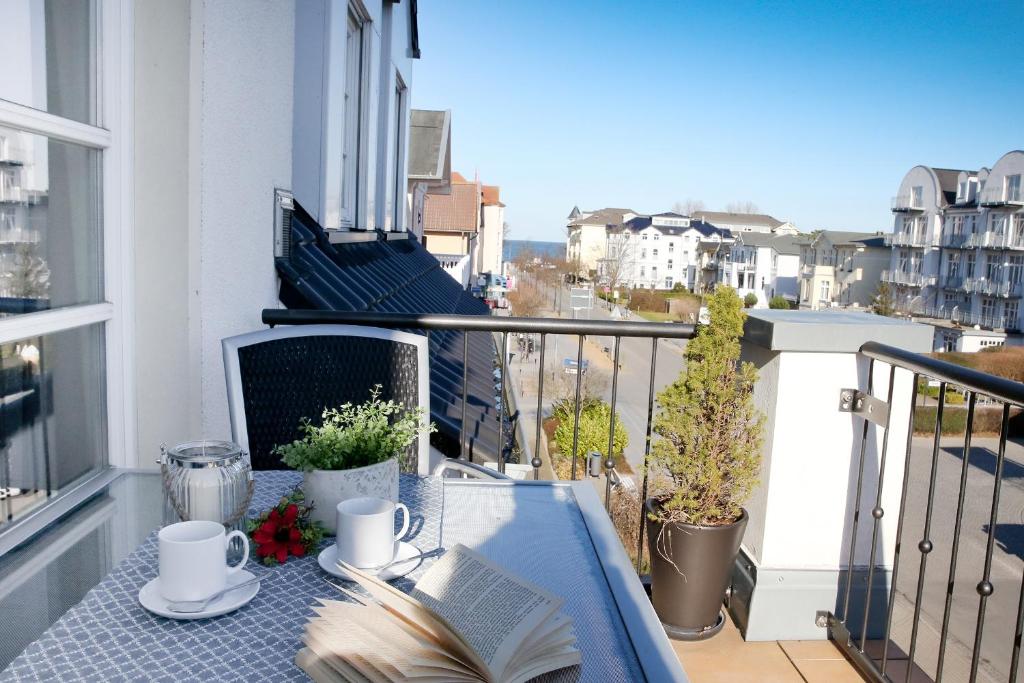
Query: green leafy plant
{"points": [[706, 460], [778, 301], [883, 303], [355, 435], [595, 416], [750, 300]]}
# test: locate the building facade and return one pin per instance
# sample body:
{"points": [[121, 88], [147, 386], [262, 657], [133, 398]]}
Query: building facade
{"points": [[586, 238], [841, 269], [763, 264], [661, 251]]}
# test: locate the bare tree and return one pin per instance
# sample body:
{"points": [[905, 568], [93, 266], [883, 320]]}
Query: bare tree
{"points": [[741, 207], [526, 300], [618, 262], [689, 207]]}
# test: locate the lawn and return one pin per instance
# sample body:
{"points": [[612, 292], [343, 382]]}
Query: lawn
{"points": [[657, 317]]}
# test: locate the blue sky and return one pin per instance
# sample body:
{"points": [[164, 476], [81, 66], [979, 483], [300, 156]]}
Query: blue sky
{"points": [[813, 111]]}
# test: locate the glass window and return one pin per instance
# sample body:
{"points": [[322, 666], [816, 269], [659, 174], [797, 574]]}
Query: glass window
{"points": [[354, 70], [50, 245], [54, 416], [398, 184], [1013, 192], [50, 56], [916, 197]]}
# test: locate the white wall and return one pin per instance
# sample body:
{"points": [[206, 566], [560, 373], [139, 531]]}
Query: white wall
{"points": [[165, 413], [244, 124]]}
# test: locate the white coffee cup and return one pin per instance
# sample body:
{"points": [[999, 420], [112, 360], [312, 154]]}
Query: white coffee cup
{"points": [[366, 531], [193, 559]]}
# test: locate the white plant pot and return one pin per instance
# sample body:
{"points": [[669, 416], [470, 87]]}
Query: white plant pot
{"points": [[324, 489]]}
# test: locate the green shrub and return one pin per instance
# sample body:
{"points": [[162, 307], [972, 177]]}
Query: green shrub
{"points": [[987, 420], [710, 432], [779, 301], [593, 432], [678, 287], [355, 435], [750, 300]]}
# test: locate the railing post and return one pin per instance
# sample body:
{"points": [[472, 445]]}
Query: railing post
{"points": [[812, 452]]}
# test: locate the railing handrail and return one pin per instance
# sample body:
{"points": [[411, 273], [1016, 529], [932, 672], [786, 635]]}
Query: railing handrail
{"points": [[999, 388], [478, 323]]}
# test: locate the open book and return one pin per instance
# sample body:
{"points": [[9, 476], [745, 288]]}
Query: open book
{"points": [[467, 619]]}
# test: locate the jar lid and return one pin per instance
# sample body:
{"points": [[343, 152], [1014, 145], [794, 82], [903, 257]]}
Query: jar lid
{"points": [[203, 453]]}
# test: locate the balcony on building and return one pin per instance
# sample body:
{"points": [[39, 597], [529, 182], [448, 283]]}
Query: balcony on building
{"points": [[908, 239], [1006, 194], [954, 240], [911, 279], [907, 203]]}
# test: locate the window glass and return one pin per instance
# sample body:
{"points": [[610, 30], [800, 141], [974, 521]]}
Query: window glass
{"points": [[54, 416], [50, 245], [353, 111], [49, 56]]}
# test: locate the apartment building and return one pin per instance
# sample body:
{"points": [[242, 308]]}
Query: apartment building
{"points": [[738, 223], [972, 270], [841, 269], [763, 264], [492, 230], [662, 250], [430, 161], [587, 236]]}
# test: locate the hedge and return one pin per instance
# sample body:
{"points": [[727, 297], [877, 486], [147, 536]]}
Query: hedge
{"points": [[987, 420]]}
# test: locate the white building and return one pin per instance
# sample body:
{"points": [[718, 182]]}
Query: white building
{"points": [[492, 230], [587, 236], [971, 271], [763, 264], [159, 132], [841, 269], [661, 251], [746, 222]]}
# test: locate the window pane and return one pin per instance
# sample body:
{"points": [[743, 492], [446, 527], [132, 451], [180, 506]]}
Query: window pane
{"points": [[48, 56], [52, 418], [50, 245]]}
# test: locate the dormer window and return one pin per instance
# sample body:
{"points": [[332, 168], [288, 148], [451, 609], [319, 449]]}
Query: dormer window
{"points": [[917, 197], [1013, 189], [962, 193]]}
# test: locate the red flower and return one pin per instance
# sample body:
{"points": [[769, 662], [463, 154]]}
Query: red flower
{"points": [[279, 535]]}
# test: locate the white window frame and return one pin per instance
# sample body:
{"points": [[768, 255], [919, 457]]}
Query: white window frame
{"points": [[111, 136], [352, 209]]}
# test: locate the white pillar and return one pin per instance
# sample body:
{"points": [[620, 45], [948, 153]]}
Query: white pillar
{"points": [[795, 550]]}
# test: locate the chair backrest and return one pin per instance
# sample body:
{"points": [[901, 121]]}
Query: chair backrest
{"points": [[277, 377]]}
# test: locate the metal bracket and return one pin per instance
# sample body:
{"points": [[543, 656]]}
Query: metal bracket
{"points": [[867, 406], [284, 204]]}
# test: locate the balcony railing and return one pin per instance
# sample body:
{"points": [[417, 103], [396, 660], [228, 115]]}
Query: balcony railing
{"points": [[908, 239], [1002, 196], [954, 240], [900, 277], [849, 625], [906, 203], [963, 315], [854, 618]]}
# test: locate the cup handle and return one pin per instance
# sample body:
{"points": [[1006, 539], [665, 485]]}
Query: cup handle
{"points": [[245, 556], [405, 521]]}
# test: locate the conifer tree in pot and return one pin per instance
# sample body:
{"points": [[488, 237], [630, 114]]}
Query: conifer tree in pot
{"points": [[703, 467]]}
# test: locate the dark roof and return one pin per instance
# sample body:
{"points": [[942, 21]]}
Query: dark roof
{"points": [[400, 276], [608, 216], [731, 218], [837, 237], [670, 214], [783, 244], [641, 222]]}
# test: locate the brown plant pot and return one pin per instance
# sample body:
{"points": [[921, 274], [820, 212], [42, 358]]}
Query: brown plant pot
{"points": [[688, 596]]}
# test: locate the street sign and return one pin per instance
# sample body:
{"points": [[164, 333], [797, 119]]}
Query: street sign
{"points": [[570, 367], [581, 297]]}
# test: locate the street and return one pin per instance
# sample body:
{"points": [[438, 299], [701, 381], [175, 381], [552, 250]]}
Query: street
{"points": [[634, 375]]}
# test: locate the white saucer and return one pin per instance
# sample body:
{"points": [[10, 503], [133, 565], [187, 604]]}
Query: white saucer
{"points": [[152, 600], [328, 559]]}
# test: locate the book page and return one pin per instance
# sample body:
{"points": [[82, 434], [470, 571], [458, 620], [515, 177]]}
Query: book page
{"points": [[493, 610]]}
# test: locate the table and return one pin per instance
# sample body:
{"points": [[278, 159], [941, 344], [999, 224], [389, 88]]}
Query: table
{"points": [[554, 534]]}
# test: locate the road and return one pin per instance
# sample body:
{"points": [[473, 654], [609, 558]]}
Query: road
{"points": [[634, 375]]}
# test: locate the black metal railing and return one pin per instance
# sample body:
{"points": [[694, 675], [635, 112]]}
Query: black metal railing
{"points": [[503, 326], [849, 625]]}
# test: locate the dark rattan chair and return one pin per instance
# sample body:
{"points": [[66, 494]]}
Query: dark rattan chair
{"points": [[277, 377]]}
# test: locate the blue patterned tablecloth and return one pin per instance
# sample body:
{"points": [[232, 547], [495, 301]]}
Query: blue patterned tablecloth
{"points": [[109, 636]]}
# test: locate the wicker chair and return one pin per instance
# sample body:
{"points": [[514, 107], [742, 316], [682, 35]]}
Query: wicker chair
{"points": [[277, 377]]}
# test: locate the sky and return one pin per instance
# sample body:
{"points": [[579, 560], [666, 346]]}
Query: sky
{"points": [[812, 111]]}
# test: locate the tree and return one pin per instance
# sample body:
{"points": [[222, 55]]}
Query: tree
{"points": [[617, 265], [708, 452], [689, 207], [750, 300], [883, 303], [779, 301], [28, 276], [741, 207], [526, 300]]}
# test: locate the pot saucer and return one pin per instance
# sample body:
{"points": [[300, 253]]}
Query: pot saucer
{"points": [[151, 599], [328, 559]]}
